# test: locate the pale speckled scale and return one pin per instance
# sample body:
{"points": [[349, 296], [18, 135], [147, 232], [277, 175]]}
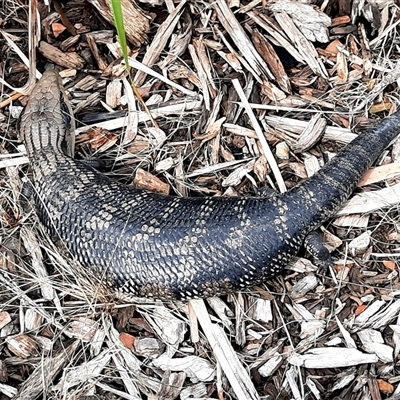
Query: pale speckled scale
{"points": [[169, 247]]}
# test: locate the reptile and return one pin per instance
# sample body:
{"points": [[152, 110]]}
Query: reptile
{"points": [[152, 245]]}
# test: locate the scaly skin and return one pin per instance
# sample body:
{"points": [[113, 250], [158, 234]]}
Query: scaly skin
{"points": [[167, 247]]}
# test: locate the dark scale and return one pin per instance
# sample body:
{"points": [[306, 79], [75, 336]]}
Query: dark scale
{"points": [[153, 245]]}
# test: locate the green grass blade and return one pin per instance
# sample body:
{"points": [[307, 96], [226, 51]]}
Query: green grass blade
{"points": [[119, 24]]}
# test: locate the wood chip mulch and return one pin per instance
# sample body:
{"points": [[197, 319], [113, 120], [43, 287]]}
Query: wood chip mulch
{"points": [[242, 95]]}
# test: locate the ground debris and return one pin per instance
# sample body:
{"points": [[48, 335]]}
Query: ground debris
{"points": [[247, 96]]}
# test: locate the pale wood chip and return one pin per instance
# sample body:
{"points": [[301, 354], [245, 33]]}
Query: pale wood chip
{"points": [[171, 384], [148, 347], [213, 129], [136, 23], [264, 144], [292, 379], [49, 367], [179, 41], [277, 34], [302, 265], [373, 342], [383, 317], [340, 135], [359, 244], [353, 220], [300, 312], [207, 67], [97, 342], [31, 242], [83, 328], [113, 93], [196, 368], [332, 357], [311, 164], [299, 169], [215, 168], [197, 391], [256, 64], [260, 309], [225, 355], [46, 344], [381, 173], [240, 332], [215, 145], [85, 373], [350, 342], [372, 201], [202, 76], [312, 23], [240, 130], [33, 320], [269, 368], [164, 165], [193, 323], [132, 120], [344, 380], [303, 286], [234, 178], [282, 151], [7, 390], [312, 329], [145, 69], [311, 134], [14, 160], [158, 136], [169, 328], [159, 41], [331, 241], [272, 91], [222, 310], [261, 168], [233, 60], [396, 339], [341, 68], [90, 101], [303, 45], [173, 107]]}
